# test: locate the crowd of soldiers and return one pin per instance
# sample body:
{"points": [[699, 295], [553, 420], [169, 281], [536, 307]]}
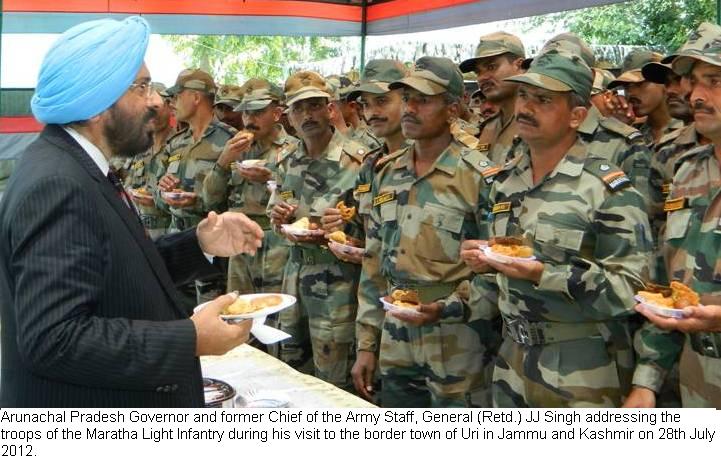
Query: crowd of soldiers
{"points": [[613, 180]]}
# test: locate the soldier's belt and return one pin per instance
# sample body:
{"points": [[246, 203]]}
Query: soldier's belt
{"points": [[428, 293], [530, 333], [707, 344], [311, 255]]}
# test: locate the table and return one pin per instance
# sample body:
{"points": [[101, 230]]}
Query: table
{"points": [[247, 368]]}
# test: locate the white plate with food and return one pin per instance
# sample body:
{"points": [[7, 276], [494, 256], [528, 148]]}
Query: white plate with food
{"points": [[252, 306], [176, 195], [248, 163], [302, 228], [141, 193], [659, 309], [501, 258], [407, 311]]}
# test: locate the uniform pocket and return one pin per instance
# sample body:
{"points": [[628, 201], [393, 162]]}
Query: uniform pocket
{"points": [[439, 233], [556, 243], [677, 224]]}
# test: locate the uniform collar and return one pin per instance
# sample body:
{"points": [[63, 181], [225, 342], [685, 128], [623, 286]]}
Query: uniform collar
{"points": [[447, 162], [591, 122], [571, 165]]}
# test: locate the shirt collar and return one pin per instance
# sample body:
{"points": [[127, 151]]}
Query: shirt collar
{"points": [[93, 151]]}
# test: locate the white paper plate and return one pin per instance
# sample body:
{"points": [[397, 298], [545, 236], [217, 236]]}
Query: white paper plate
{"points": [[287, 228], [660, 310], [503, 258], [176, 195], [347, 249], [272, 185], [252, 163], [399, 311], [288, 301]]}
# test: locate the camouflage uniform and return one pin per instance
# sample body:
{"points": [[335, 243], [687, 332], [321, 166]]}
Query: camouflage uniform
{"points": [[568, 341], [121, 166], [693, 256], [264, 271], [364, 136], [414, 233], [145, 171], [191, 161], [324, 286], [592, 235]]}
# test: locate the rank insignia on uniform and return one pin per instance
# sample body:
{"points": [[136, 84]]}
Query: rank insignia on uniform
{"points": [[138, 165], [483, 146], [501, 207], [674, 204], [364, 188], [174, 158], [483, 163], [604, 167], [384, 198], [616, 180], [286, 195], [489, 173], [634, 135], [666, 189]]}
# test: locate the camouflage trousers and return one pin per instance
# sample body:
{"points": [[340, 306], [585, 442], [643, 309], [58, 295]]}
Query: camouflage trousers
{"points": [[322, 322], [262, 272], [700, 379], [593, 371], [438, 365]]}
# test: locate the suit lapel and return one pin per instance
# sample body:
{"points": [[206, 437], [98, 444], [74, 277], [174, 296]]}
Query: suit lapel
{"points": [[61, 138]]}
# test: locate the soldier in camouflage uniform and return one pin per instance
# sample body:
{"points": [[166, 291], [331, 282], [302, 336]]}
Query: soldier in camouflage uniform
{"points": [[692, 240], [245, 188], [424, 204], [382, 110], [147, 168], [568, 342], [498, 56], [344, 114], [647, 99], [227, 99], [191, 155], [312, 178], [485, 108]]}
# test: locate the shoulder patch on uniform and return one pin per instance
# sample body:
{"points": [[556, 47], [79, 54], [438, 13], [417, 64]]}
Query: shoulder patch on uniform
{"points": [[614, 178], [355, 149], [675, 204], [483, 147], [616, 126], [363, 188], [381, 162]]}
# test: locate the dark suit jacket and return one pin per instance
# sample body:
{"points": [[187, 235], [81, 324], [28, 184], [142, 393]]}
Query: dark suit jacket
{"points": [[89, 311]]}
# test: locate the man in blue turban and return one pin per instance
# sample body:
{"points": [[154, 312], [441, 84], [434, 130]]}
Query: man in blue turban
{"points": [[89, 310]]}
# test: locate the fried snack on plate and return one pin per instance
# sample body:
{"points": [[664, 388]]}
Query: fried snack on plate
{"points": [[339, 237], [510, 246], [405, 298]]}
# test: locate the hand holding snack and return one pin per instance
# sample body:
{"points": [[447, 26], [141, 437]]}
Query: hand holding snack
{"points": [[332, 220], [235, 147]]}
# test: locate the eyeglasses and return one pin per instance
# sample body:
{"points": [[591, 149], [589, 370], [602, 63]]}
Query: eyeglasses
{"points": [[143, 89]]}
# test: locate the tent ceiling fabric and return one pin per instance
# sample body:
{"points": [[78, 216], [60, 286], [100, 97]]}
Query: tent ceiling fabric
{"points": [[278, 17]]}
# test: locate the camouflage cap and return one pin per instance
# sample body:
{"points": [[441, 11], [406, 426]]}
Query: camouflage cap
{"points": [[229, 94], [490, 45], [570, 43], [377, 75], [305, 85], [160, 89], [558, 71], [703, 44], [339, 87], [632, 66], [601, 79], [193, 78], [259, 93], [433, 76]]}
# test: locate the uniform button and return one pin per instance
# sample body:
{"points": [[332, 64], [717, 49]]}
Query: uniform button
{"points": [[174, 387], [159, 389], [403, 252], [410, 216], [166, 388]]}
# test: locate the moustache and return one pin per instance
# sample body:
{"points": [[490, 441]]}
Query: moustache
{"points": [[309, 124], [408, 118], [698, 106], [527, 119], [252, 127], [377, 119]]}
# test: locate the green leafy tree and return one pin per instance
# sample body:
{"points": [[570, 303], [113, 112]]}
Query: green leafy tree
{"points": [[234, 59], [661, 24]]}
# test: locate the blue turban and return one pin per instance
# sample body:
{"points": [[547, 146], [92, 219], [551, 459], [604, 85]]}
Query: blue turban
{"points": [[88, 68]]}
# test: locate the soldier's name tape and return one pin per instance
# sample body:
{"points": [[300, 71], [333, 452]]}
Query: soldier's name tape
{"points": [[384, 198], [674, 204]]}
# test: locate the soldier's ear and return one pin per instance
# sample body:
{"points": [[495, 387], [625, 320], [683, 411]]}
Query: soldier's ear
{"points": [[578, 115], [277, 113]]}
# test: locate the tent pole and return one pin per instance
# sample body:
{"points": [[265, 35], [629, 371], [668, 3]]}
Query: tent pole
{"points": [[364, 30]]}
